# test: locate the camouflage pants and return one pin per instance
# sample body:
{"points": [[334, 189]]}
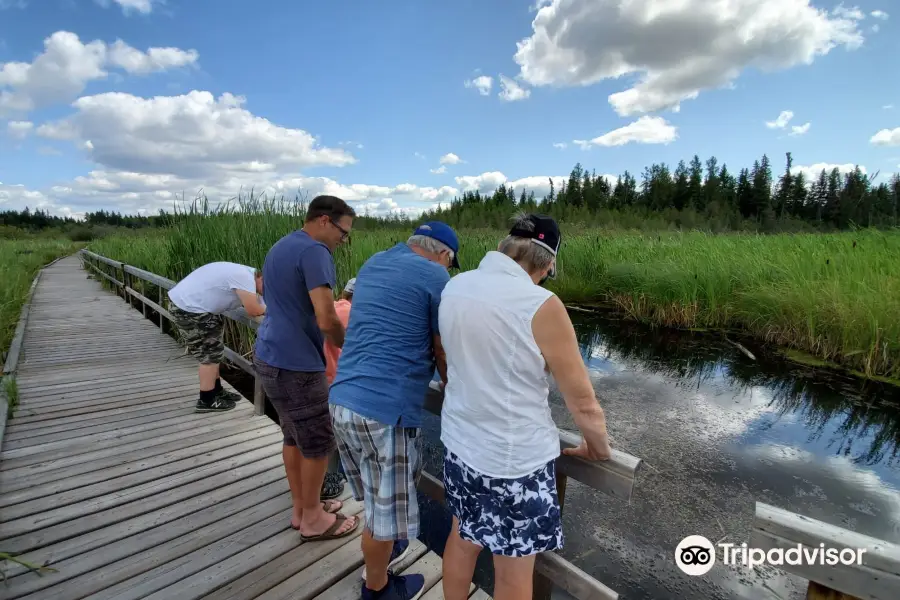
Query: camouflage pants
{"points": [[202, 334]]}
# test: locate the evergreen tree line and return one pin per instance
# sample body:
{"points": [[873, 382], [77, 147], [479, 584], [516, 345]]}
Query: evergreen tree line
{"points": [[697, 195], [37, 220]]}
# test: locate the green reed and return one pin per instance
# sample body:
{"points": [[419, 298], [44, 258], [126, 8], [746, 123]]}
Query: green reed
{"points": [[833, 295]]}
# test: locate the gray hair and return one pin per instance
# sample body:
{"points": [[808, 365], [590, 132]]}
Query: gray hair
{"points": [[534, 257], [429, 244]]}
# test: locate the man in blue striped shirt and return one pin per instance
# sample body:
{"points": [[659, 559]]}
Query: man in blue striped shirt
{"points": [[390, 352]]}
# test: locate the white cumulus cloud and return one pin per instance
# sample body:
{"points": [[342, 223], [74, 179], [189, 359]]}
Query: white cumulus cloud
{"points": [[440, 170], [879, 14], [482, 83], [65, 67], [18, 197], [800, 129], [132, 60], [886, 137], [646, 130], [676, 49], [488, 182], [154, 153], [781, 122], [19, 129], [450, 159], [560, 145], [811, 172], [144, 7], [512, 91], [146, 193], [193, 135]]}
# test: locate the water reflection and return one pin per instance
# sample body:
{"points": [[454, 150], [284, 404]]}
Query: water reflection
{"points": [[719, 431], [860, 419]]}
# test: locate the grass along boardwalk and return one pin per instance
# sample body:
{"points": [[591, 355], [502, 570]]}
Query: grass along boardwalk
{"points": [[109, 478]]}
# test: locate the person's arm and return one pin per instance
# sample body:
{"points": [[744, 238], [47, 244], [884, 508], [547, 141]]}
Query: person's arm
{"points": [[251, 303], [555, 336], [323, 303], [317, 268], [440, 357]]}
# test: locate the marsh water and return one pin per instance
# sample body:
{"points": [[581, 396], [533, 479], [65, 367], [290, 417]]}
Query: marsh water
{"points": [[718, 431]]}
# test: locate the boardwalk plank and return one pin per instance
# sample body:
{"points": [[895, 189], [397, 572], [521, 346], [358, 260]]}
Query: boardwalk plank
{"points": [[136, 460], [156, 526], [310, 581], [70, 490], [342, 554]]}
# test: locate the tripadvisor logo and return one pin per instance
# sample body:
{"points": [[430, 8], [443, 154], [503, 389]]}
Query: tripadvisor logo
{"points": [[696, 555]]}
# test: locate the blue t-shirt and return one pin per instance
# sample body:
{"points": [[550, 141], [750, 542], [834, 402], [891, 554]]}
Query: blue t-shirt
{"points": [[388, 355], [289, 336]]}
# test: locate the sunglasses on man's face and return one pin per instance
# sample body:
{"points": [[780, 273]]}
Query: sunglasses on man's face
{"points": [[344, 232]]}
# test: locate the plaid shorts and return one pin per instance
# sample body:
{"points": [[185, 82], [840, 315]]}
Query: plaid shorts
{"points": [[201, 333], [383, 464]]}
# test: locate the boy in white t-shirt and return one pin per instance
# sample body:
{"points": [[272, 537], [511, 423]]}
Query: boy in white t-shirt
{"points": [[197, 305]]}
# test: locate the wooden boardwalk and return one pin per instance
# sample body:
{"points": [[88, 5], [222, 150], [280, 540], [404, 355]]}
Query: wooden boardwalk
{"points": [[109, 477]]}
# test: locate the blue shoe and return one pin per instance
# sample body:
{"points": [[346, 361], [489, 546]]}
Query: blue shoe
{"points": [[398, 552], [399, 587]]}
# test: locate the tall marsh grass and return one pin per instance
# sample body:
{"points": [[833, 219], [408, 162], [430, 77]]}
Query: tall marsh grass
{"points": [[836, 296]]}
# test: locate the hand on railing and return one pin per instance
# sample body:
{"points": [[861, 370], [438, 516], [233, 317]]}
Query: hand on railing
{"points": [[589, 452]]}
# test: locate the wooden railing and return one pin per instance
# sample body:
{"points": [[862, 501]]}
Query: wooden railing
{"points": [[877, 578]]}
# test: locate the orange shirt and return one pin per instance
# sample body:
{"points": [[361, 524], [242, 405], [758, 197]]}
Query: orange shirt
{"points": [[332, 353]]}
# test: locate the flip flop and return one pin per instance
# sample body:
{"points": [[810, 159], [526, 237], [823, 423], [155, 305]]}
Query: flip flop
{"points": [[331, 506], [329, 534]]}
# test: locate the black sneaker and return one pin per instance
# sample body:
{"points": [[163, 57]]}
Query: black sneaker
{"points": [[399, 587], [332, 487], [218, 404], [229, 396]]}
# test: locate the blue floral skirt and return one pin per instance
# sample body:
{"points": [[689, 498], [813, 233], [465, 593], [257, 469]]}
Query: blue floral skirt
{"points": [[510, 517]]}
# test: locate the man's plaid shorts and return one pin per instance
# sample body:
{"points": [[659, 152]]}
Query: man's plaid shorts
{"points": [[383, 465]]}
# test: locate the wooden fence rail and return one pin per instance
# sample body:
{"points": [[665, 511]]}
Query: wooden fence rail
{"points": [[877, 577]]}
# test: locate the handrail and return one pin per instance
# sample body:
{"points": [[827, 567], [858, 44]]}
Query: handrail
{"points": [[876, 578], [614, 476]]}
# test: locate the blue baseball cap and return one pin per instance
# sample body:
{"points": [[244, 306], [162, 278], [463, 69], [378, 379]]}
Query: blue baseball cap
{"points": [[442, 233]]}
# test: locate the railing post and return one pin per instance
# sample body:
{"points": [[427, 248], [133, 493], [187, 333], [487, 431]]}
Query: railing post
{"points": [[144, 294], [162, 319], [543, 587], [125, 285], [259, 397]]}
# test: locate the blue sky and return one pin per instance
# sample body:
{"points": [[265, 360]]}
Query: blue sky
{"points": [[122, 104]]}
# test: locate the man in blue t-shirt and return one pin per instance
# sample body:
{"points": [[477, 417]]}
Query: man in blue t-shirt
{"points": [[389, 356], [290, 360]]}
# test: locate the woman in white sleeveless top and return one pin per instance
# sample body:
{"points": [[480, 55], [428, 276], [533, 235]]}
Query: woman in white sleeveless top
{"points": [[502, 332]]}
